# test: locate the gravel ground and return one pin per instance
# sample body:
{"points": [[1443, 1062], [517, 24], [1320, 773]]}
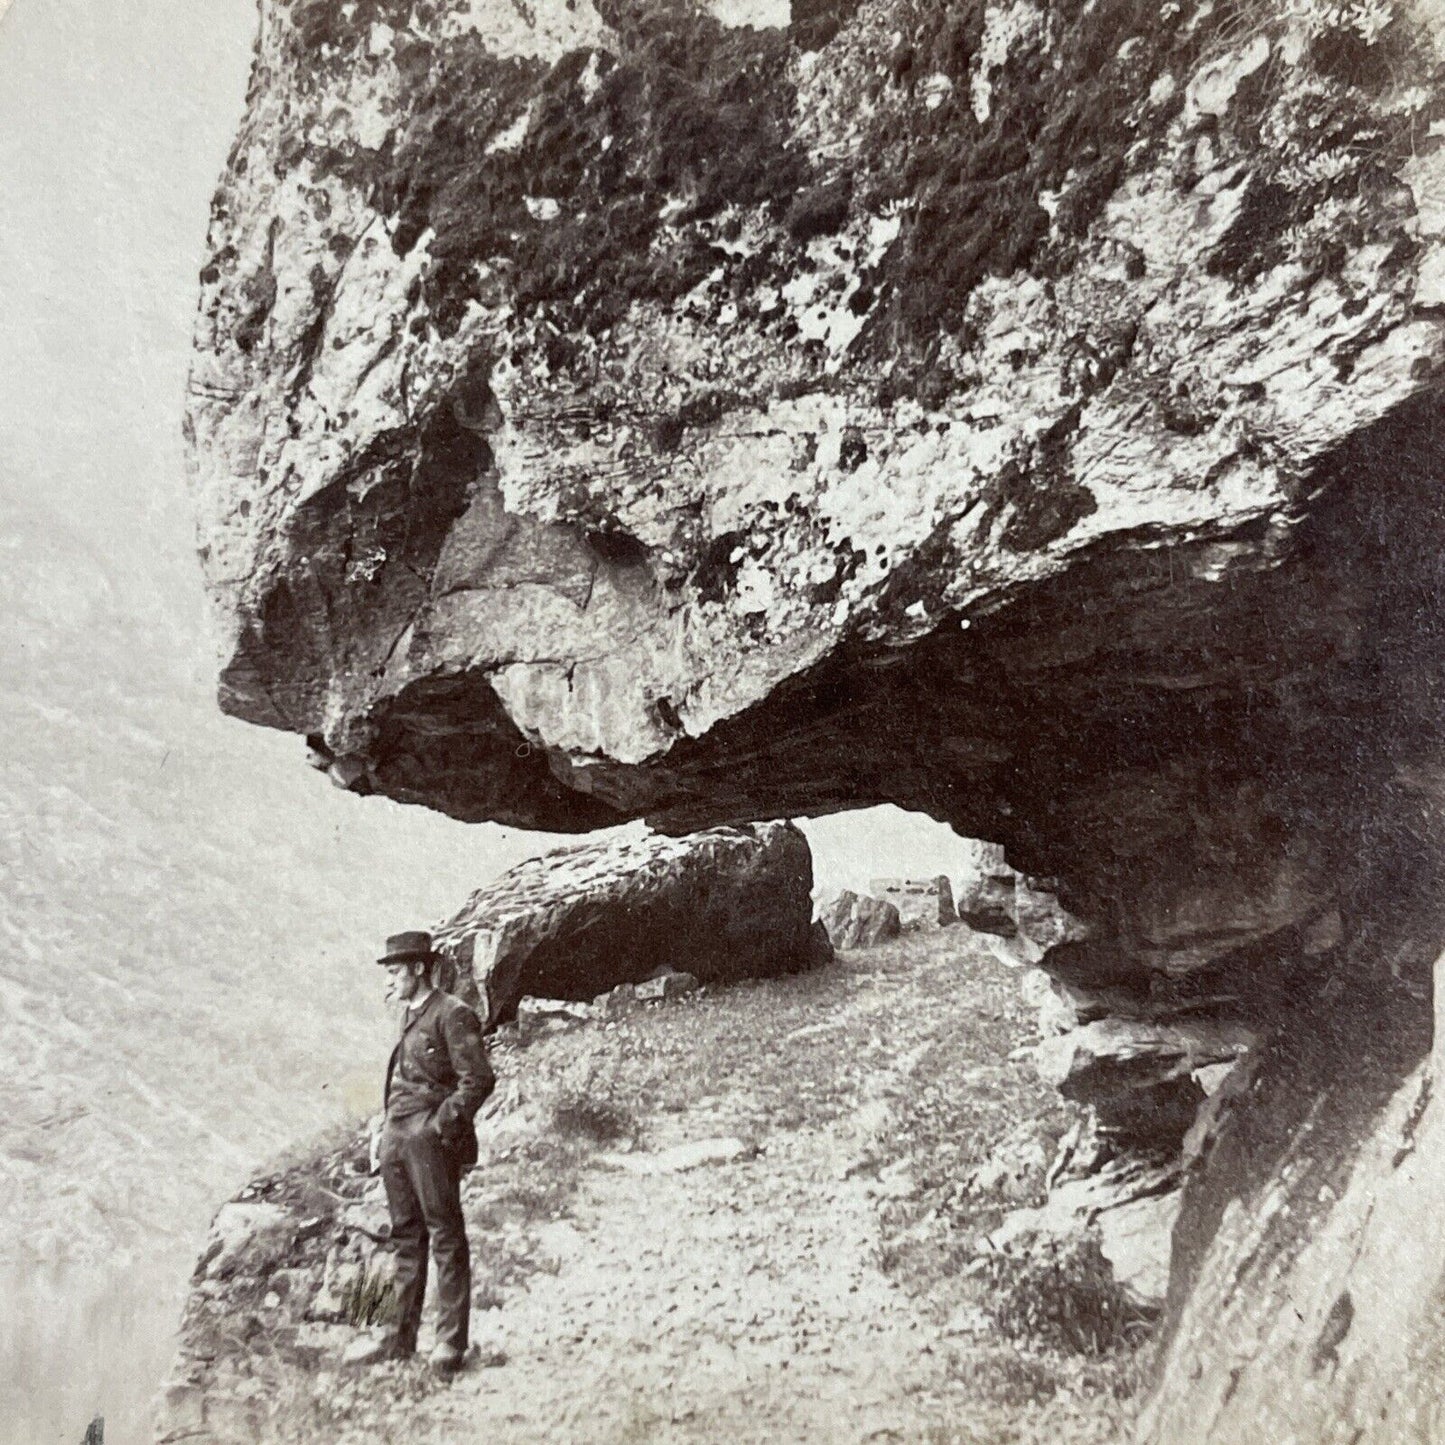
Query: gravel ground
{"points": [[746, 1215]]}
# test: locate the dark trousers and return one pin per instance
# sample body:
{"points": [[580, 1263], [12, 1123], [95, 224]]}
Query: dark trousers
{"points": [[423, 1193]]}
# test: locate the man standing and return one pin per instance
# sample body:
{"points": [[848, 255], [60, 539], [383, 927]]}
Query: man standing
{"points": [[436, 1081]]}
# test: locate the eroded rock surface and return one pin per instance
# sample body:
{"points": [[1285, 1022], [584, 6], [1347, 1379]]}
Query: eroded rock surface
{"points": [[1307, 1279], [1025, 414], [612, 413], [720, 905], [860, 921], [986, 895]]}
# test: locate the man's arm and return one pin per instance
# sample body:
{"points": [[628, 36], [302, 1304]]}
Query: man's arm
{"points": [[462, 1030]]}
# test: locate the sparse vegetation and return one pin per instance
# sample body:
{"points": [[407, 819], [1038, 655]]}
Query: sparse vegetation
{"points": [[892, 1131], [1061, 1293], [530, 1184], [687, 110], [370, 1298], [592, 1108], [295, 1180]]}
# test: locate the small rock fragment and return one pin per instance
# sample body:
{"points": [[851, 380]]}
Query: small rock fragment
{"points": [[665, 983]]}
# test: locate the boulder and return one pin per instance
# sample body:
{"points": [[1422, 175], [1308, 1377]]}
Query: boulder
{"points": [[1129, 1207], [536, 1015], [1040, 920], [947, 912], [820, 951], [985, 894], [986, 903], [616, 1003], [1124, 1199], [246, 1238], [1137, 1239], [854, 921], [721, 905], [665, 983]]}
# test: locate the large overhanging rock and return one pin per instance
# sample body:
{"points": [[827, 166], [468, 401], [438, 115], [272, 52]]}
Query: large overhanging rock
{"points": [[613, 413], [722, 905]]}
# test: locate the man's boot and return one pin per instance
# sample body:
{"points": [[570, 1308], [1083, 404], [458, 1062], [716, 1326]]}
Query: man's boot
{"points": [[396, 1345], [447, 1359], [374, 1349]]}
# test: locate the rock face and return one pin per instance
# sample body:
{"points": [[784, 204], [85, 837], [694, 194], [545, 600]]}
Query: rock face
{"points": [[724, 904], [1143, 1079], [288, 1262], [852, 921], [986, 897], [608, 413], [1320, 1187], [1126, 1201], [1025, 414]]}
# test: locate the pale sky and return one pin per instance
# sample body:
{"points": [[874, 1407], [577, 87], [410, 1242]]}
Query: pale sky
{"points": [[115, 118]]}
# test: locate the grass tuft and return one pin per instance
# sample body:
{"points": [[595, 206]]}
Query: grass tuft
{"points": [[1061, 1293], [588, 1104], [370, 1298], [599, 1121]]}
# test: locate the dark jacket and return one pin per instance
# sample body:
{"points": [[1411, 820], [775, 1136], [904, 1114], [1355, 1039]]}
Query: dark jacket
{"points": [[439, 1067]]}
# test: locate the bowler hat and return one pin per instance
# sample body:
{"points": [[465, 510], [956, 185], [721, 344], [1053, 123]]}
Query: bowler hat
{"points": [[413, 947]]}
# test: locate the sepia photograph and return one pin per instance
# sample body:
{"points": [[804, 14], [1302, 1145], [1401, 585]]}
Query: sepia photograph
{"points": [[722, 722]]}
